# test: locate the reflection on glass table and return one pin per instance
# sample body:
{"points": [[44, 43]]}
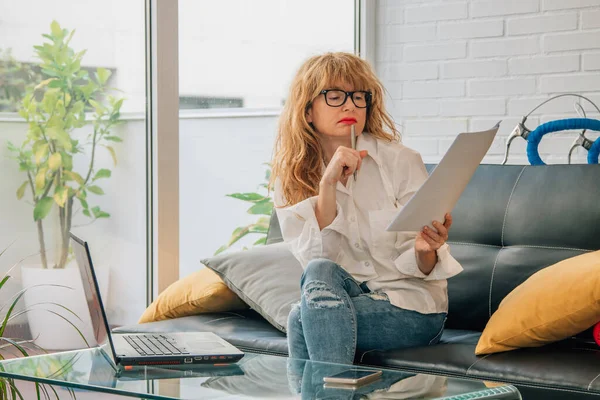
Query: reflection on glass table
{"points": [[254, 377]]}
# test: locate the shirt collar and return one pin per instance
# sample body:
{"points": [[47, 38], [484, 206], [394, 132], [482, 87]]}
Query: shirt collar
{"points": [[369, 143]]}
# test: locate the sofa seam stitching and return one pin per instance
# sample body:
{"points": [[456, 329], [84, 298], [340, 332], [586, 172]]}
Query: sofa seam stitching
{"points": [[365, 353], [492, 280], [508, 204], [520, 246], [479, 359], [590, 385]]}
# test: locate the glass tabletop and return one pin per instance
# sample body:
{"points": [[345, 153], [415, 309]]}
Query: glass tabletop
{"points": [[256, 376]]}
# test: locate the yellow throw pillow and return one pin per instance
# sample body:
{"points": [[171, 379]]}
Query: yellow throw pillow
{"points": [[553, 304], [200, 292]]}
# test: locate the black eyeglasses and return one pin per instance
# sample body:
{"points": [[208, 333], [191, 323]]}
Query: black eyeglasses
{"points": [[337, 98]]}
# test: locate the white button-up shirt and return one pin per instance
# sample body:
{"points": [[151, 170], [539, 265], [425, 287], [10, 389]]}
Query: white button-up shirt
{"points": [[357, 240]]}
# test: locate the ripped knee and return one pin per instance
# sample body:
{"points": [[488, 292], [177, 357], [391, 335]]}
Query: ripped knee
{"points": [[319, 294]]}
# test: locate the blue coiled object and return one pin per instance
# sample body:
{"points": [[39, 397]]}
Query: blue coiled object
{"points": [[534, 138]]}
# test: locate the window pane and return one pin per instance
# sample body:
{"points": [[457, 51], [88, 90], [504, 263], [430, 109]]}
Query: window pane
{"points": [[98, 163], [242, 56]]}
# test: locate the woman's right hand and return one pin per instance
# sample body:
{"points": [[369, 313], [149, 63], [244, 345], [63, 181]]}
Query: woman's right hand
{"points": [[343, 164]]}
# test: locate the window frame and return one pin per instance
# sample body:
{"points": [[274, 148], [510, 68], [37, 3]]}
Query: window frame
{"points": [[163, 130]]}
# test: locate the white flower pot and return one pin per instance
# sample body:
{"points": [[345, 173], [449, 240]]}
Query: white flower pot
{"points": [[48, 290]]}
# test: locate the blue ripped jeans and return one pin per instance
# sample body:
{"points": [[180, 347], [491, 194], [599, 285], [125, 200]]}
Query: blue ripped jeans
{"points": [[337, 316]]}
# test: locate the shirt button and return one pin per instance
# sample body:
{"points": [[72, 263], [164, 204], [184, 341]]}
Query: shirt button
{"points": [[356, 245], [352, 219], [367, 264]]}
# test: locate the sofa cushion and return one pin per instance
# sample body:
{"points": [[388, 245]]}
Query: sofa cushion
{"points": [[267, 278], [200, 292], [553, 304]]}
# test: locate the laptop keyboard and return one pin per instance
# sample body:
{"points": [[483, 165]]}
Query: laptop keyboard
{"points": [[155, 345]]}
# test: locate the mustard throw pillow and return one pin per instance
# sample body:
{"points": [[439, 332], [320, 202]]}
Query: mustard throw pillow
{"points": [[553, 304], [200, 292]]}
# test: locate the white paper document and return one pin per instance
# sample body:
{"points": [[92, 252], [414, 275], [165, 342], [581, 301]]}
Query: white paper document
{"points": [[440, 192]]}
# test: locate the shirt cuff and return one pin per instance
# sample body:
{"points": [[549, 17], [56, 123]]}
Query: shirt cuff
{"points": [[338, 224], [445, 267], [307, 240]]}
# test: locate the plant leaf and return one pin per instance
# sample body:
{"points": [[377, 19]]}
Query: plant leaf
{"points": [[73, 176], [98, 213], [42, 208], [40, 178], [262, 240], [103, 173], [96, 189], [61, 136], [44, 83], [60, 195], [41, 153], [21, 190], [55, 29], [262, 208], [113, 139], [256, 228], [221, 249], [84, 203], [113, 154], [102, 75], [67, 160], [252, 197], [237, 234], [55, 161]]}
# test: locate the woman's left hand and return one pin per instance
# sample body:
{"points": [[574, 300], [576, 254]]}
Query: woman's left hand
{"points": [[429, 240]]}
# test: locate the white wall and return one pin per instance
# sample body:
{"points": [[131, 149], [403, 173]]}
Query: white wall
{"points": [[452, 66]]}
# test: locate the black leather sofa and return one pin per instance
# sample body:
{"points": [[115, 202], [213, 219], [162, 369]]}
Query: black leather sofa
{"points": [[510, 222]]}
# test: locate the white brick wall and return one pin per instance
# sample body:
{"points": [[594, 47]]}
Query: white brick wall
{"points": [[456, 65]]}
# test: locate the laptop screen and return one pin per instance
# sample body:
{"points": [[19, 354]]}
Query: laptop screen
{"points": [[92, 296]]}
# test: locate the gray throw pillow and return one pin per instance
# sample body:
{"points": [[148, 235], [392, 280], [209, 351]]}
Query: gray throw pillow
{"points": [[267, 278]]}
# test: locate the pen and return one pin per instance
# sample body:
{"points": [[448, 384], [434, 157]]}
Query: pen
{"points": [[353, 143]]}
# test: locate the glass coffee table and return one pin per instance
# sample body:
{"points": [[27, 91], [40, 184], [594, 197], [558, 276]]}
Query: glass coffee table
{"points": [[256, 376]]}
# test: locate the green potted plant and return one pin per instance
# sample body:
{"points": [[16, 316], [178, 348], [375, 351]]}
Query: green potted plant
{"points": [[56, 110], [262, 205]]}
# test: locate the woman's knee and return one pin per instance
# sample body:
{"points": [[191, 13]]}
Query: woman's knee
{"points": [[319, 267]]}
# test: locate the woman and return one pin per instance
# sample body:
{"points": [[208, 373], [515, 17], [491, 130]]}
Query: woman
{"points": [[363, 287]]}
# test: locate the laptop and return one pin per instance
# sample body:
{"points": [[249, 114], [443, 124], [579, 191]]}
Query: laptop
{"points": [[127, 350]]}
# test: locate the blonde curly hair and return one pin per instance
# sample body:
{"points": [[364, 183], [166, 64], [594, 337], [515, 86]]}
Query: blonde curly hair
{"points": [[297, 157]]}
